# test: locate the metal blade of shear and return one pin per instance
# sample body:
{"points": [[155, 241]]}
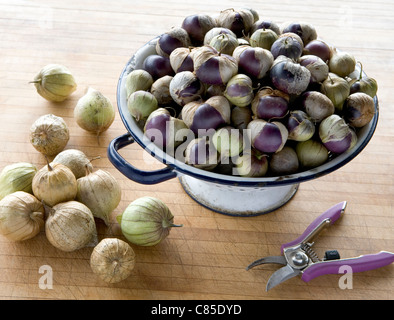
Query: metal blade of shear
{"points": [[281, 275], [273, 259]]}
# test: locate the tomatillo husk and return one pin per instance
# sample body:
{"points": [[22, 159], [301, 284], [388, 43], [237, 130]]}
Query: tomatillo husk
{"points": [[337, 89], [359, 109], [138, 80], [341, 63], [251, 164], [94, 112], [17, 177], [311, 154], [21, 216], [100, 192], [54, 82], [112, 260], [284, 162], [335, 134], [228, 141], [70, 226], [49, 134], [239, 90], [141, 104], [54, 183], [76, 161], [146, 221]]}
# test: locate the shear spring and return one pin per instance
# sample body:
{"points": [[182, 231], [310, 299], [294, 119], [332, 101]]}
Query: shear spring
{"points": [[311, 254]]}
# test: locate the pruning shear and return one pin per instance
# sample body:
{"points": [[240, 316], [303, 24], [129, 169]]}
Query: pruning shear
{"points": [[299, 258]]}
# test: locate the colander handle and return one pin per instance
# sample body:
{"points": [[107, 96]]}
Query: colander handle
{"points": [[131, 172]]}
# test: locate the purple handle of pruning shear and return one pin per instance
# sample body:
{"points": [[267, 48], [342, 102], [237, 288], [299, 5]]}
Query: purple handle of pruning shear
{"points": [[333, 214], [359, 264]]}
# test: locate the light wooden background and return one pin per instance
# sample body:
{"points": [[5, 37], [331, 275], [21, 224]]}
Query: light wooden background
{"points": [[205, 259]]}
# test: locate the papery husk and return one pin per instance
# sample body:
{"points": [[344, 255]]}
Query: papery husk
{"points": [[263, 56], [146, 221], [186, 87], [335, 134], [226, 66], [112, 260], [227, 17], [359, 109], [219, 103], [94, 112], [55, 82], [256, 127], [319, 69], [216, 31], [300, 76], [263, 38], [141, 104], [253, 12], [317, 105], [54, 183], [100, 192], [228, 141], [354, 138], [267, 24], [224, 43], [341, 63], [70, 226], [17, 177], [75, 160], [305, 128], [284, 162], [138, 79], [176, 33], [311, 154], [222, 105], [21, 216], [266, 91], [188, 112], [234, 92], [307, 32], [174, 134], [337, 89], [292, 35], [240, 117], [49, 134], [364, 84], [161, 90], [251, 164], [205, 23], [207, 155], [178, 57]]}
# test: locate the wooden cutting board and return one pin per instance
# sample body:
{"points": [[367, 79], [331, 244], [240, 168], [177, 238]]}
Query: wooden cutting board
{"points": [[206, 258]]}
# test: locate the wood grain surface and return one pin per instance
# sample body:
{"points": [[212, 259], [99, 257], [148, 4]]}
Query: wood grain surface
{"points": [[206, 258]]}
